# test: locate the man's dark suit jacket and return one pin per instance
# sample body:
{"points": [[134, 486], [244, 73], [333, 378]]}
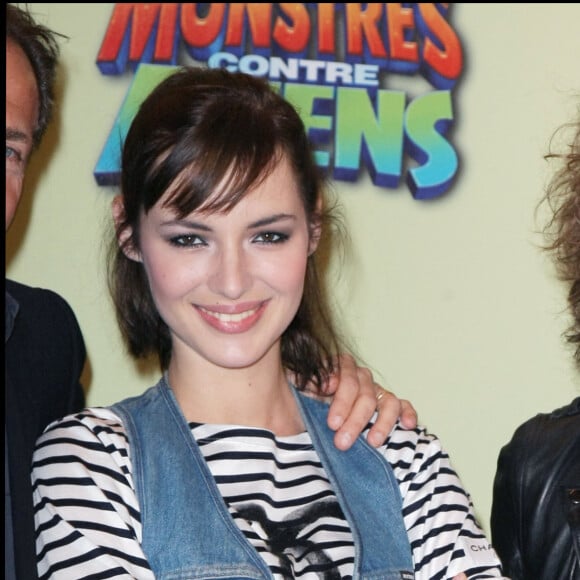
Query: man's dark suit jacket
{"points": [[44, 358]]}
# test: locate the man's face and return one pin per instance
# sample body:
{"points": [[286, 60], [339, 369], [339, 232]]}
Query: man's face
{"points": [[21, 118]]}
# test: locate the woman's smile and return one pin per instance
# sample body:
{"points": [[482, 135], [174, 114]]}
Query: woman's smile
{"points": [[236, 319]]}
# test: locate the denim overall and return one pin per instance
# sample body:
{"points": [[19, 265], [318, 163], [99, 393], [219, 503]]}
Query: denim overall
{"points": [[188, 532]]}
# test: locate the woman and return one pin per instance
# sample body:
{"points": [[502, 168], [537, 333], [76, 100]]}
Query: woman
{"points": [[224, 469]]}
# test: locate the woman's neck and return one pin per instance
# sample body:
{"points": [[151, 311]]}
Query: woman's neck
{"points": [[258, 396]]}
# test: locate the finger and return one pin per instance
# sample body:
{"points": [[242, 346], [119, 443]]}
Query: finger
{"points": [[359, 416], [389, 408], [409, 417], [344, 398], [328, 389], [345, 368]]}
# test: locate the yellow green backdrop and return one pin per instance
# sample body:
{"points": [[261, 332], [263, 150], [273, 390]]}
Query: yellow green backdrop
{"points": [[450, 302]]}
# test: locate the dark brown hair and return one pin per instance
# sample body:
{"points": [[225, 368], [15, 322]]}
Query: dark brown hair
{"points": [[40, 46], [198, 127]]}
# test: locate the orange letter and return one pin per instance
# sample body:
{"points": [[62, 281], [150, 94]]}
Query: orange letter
{"points": [[326, 38], [359, 21], [448, 61], [399, 19], [259, 17], [140, 20], [201, 32], [292, 38]]}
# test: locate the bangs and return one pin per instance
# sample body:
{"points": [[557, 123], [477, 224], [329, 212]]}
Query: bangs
{"points": [[215, 163]]}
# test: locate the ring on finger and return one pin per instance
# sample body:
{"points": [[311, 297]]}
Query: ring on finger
{"points": [[380, 395]]}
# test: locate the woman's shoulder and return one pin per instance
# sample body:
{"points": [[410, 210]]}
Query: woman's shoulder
{"points": [[403, 438], [92, 437], [100, 423], [413, 450]]}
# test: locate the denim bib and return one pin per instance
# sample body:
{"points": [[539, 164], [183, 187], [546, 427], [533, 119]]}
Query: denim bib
{"points": [[188, 532]]}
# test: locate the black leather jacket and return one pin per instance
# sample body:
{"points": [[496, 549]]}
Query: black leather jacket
{"points": [[535, 519]]}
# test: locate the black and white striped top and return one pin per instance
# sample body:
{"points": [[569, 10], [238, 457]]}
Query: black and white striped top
{"points": [[88, 521]]}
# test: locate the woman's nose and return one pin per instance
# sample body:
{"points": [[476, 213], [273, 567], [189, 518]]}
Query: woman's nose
{"points": [[231, 277]]}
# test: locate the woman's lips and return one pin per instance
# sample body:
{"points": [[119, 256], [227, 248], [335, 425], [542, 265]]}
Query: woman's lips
{"points": [[232, 320]]}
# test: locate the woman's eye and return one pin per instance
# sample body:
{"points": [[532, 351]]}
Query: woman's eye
{"points": [[271, 238], [187, 241]]}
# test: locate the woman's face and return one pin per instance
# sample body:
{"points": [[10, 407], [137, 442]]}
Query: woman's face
{"points": [[229, 284]]}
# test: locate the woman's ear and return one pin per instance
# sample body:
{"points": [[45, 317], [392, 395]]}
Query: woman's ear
{"points": [[316, 227], [315, 233], [124, 232]]}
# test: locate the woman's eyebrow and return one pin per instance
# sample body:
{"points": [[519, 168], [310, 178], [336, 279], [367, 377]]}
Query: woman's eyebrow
{"points": [[187, 224], [272, 219]]}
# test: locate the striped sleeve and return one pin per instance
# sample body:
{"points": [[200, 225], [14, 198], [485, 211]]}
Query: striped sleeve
{"points": [[86, 512], [445, 537], [88, 522]]}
